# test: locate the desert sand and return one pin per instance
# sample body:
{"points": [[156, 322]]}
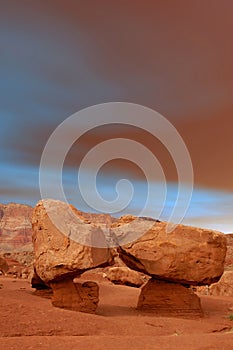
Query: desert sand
{"points": [[29, 321]]}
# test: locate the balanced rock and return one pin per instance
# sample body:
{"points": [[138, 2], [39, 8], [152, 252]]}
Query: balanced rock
{"points": [[187, 255], [82, 297], [125, 276], [64, 244], [169, 299]]}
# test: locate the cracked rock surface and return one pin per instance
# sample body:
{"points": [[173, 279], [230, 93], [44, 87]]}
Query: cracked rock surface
{"points": [[62, 242], [187, 255]]}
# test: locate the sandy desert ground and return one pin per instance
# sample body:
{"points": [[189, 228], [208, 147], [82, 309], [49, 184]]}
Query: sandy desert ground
{"points": [[29, 321]]}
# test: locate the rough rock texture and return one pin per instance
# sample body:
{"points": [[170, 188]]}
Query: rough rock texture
{"points": [[101, 219], [82, 297], [187, 255], [15, 227], [224, 287], [169, 299], [126, 276], [24, 258], [229, 254], [20, 264], [59, 254]]}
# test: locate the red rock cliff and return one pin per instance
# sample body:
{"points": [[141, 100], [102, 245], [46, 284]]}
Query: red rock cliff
{"points": [[15, 227]]}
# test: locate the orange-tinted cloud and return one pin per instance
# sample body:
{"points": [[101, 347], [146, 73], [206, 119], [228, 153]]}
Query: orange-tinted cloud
{"points": [[175, 57]]}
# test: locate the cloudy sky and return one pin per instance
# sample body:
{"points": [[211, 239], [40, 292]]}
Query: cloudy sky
{"points": [[58, 57]]}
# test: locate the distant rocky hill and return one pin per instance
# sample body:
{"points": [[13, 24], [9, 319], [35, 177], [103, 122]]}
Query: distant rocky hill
{"points": [[15, 227]]}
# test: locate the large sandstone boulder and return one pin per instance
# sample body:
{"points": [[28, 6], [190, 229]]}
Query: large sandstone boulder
{"points": [[224, 287], [187, 255], [58, 252], [66, 244], [169, 299]]}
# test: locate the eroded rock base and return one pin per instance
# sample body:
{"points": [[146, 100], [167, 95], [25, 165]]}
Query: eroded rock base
{"points": [[169, 299], [82, 297]]}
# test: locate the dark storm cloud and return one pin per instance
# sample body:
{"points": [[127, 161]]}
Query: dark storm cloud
{"points": [[60, 56]]}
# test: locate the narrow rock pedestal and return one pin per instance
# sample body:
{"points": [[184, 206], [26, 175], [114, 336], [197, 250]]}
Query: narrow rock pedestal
{"points": [[82, 297], [169, 299]]}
